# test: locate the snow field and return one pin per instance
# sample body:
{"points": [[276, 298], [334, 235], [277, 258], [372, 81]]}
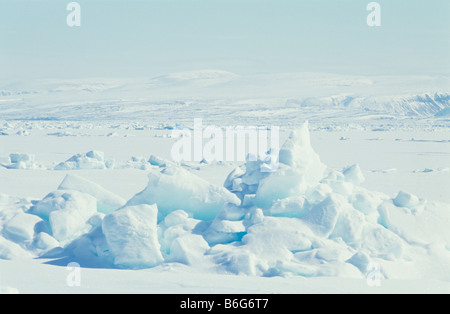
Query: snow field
{"points": [[303, 219]]}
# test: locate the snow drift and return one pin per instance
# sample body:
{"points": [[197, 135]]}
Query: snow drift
{"points": [[301, 219]]}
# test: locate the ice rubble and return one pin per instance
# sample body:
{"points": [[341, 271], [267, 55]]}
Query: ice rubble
{"points": [[131, 233], [20, 161], [66, 213], [302, 219], [175, 188], [93, 160], [107, 202]]}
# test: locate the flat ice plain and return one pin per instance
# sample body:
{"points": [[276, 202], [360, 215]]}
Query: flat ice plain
{"points": [[319, 233]]}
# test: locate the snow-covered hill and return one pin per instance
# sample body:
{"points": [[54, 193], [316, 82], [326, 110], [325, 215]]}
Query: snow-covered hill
{"points": [[223, 97]]}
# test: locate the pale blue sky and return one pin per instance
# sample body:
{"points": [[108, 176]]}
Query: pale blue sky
{"points": [[146, 38]]}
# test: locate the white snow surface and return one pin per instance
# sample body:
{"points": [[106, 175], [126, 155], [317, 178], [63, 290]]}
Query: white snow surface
{"points": [[213, 94], [304, 219], [90, 181]]}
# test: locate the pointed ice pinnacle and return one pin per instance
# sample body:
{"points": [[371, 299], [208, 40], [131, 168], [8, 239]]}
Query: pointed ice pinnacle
{"points": [[298, 153]]}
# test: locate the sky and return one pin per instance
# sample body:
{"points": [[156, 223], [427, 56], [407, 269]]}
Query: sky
{"points": [[130, 38]]}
